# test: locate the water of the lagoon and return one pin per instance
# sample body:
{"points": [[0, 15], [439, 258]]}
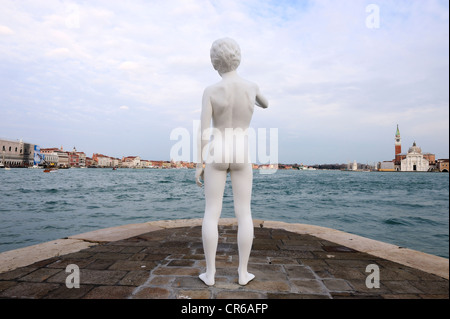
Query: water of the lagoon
{"points": [[406, 209]]}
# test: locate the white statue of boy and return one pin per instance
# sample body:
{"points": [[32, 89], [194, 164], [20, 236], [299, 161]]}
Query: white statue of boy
{"points": [[229, 104]]}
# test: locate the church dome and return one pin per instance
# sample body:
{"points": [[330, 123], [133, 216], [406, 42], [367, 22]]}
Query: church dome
{"points": [[415, 149]]}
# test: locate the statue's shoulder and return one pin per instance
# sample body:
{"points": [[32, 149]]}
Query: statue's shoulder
{"points": [[213, 88], [221, 86], [249, 83]]}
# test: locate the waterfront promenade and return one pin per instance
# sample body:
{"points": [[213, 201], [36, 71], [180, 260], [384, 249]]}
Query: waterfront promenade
{"points": [[162, 260]]}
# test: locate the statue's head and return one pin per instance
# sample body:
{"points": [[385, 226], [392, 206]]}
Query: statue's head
{"points": [[225, 55]]}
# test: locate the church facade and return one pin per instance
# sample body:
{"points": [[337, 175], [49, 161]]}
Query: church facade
{"points": [[414, 160]]}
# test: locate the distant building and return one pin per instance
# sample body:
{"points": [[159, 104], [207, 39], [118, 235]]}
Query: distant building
{"points": [[81, 158], [415, 161], [442, 165], [166, 164], [49, 157], [16, 153], [387, 166], [115, 162], [146, 164], [63, 157], [131, 161], [431, 158], [74, 158], [411, 161], [102, 160], [156, 164], [89, 161]]}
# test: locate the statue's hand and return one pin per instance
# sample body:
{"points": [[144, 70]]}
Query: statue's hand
{"points": [[199, 174]]}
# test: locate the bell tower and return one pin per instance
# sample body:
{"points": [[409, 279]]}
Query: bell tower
{"points": [[398, 146]]}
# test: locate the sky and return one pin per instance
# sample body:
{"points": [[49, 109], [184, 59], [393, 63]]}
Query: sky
{"points": [[117, 77]]}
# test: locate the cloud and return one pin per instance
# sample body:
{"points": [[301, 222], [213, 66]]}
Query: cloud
{"points": [[128, 66], [4, 30], [124, 107], [58, 52]]}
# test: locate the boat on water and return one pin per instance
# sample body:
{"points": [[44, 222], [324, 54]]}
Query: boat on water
{"points": [[306, 168], [50, 170]]}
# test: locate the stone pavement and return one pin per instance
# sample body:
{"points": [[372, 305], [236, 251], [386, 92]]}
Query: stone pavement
{"points": [[165, 264]]}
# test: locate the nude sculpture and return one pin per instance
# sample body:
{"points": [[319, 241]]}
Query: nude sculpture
{"points": [[229, 104]]}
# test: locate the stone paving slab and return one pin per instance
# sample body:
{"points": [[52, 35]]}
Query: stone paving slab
{"points": [[10, 260], [164, 263]]}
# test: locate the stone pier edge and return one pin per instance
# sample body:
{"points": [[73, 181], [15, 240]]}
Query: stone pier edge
{"points": [[21, 257]]}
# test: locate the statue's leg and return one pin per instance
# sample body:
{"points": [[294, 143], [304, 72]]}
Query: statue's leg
{"points": [[241, 180], [214, 179]]}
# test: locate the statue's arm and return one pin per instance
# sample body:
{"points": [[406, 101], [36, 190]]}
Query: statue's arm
{"points": [[203, 137], [261, 101]]}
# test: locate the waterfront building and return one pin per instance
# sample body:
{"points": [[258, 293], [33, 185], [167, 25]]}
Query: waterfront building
{"points": [[131, 161], [182, 164], [16, 153], [411, 161], [81, 159], [442, 165], [115, 162], [268, 166], [50, 157], [55, 157], [415, 161], [189, 165], [431, 158], [63, 158], [387, 166], [89, 161], [156, 164], [146, 163], [102, 160], [74, 158], [166, 164]]}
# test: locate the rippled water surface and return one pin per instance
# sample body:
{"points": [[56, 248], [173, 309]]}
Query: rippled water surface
{"points": [[406, 209]]}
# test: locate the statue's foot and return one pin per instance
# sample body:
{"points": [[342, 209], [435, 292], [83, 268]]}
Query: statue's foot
{"points": [[208, 281], [245, 278]]}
